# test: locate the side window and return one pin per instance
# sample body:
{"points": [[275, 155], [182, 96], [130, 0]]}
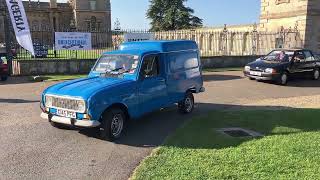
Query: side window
{"points": [[309, 56], [183, 61], [299, 56], [150, 66]]}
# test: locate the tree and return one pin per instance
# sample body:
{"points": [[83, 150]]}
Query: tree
{"points": [[166, 15]]}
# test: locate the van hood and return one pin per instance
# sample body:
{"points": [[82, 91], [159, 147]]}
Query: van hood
{"points": [[267, 64], [85, 87]]}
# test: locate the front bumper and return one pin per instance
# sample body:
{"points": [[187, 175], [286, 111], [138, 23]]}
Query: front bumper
{"points": [[69, 121], [264, 76]]}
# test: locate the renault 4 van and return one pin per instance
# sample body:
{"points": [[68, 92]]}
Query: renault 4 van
{"points": [[126, 84]]}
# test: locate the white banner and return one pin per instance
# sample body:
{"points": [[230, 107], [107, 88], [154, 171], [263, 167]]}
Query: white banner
{"points": [[129, 37], [72, 41], [20, 24]]}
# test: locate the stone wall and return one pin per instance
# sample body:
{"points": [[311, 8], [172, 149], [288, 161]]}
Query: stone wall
{"points": [[44, 67], [227, 61], [41, 67]]}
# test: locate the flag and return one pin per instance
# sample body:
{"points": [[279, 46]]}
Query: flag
{"points": [[20, 24]]}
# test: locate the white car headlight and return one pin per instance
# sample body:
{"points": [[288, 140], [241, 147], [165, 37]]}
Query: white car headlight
{"points": [[269, 70], [81, 106], [247, 68], [48, 101]]}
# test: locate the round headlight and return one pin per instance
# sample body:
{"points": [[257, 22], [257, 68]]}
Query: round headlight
{"points": [[247, 68], [48, 100], [81, 106]]}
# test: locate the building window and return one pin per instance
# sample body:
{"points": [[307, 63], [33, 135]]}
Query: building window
{"points": [[282, 1], [93, 5], [35, 25], [93, 23]]}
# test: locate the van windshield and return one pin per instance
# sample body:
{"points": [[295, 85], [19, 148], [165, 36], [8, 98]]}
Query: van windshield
{"points": [[117, 64]]}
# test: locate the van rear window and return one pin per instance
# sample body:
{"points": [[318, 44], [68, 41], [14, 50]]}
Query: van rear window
{"points": [[183, 61]]}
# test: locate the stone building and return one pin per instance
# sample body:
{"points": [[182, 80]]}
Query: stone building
{"points": [[302, 14], [283, 23], [45, 18]]}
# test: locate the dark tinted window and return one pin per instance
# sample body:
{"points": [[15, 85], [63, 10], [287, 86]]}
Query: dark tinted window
{"points": [[299, 55], [308, 56], [150, 66], [183, 61]]}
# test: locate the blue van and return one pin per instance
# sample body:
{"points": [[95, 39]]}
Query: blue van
{"points": [[126, 84]]}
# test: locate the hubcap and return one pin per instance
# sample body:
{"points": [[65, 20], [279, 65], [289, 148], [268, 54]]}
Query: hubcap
{"points": [[188, 104], [284, 78], [116, 125], [316, 74]]}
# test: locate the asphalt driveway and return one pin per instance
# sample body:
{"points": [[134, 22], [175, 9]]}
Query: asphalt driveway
{"points": [[31, 149]]}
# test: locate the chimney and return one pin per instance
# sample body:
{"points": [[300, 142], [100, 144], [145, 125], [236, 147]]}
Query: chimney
{"points": [[53, 3]]}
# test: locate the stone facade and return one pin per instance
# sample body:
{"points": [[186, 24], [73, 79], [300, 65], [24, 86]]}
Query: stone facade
{"points": [[76, 15], [302, 15]]}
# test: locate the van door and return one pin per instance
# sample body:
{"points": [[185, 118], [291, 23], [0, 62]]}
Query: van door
{"points": [[152, 88]]}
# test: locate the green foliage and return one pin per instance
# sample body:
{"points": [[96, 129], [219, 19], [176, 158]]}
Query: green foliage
{"points": [[290, 149], [169, 15]]}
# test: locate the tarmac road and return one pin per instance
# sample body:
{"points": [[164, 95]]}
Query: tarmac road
{"points": [[31, 149]]}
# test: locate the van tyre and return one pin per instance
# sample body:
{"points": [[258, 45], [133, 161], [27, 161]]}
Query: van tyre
{"points": [[316, 74], [187, 104], [112, 124], [283, 79]]}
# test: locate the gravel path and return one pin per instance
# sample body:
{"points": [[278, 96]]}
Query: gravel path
{"points": [[32, 149]]}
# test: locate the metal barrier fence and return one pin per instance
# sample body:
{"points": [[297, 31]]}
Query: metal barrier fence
{"points": [[211, 42]]}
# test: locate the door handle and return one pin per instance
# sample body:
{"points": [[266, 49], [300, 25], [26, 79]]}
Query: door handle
{"points": [[161, 80]]}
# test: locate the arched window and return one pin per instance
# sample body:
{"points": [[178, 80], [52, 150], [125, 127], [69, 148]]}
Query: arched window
{"points": [[93, 5], [245, 42], [201, 42], [35, 25], [93, 23], [222, 42], [232, 41], [210, 42]]}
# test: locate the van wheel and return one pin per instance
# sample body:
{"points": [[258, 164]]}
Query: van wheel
{"points": [[316, 74], [112, 124], [4, 78], [283, 79], [187, 104]]}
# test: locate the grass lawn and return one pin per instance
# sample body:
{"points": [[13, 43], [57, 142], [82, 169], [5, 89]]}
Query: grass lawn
{"points": [[290, 149], [223, 69]]}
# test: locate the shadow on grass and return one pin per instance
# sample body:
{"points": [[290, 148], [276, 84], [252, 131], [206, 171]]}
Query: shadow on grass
{"points": [[153, 129]]}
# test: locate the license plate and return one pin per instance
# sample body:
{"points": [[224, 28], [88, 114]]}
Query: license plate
{"points": [[255, 73], [67, 114]]}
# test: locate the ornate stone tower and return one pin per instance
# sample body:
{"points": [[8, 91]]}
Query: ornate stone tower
{"points": [[303, 15], [53, 3], [92, 15]]}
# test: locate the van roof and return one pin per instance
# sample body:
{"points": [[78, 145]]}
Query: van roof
{"points": [[142, 47]]}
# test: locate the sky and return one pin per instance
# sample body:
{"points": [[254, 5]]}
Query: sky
{"points": [[132, 13]]}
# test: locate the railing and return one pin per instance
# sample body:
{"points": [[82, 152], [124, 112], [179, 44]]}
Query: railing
{"points": [[211, 42]]}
